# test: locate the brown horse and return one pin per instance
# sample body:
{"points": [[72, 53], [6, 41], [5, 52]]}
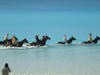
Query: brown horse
{"points": [[18, 44], [5, 42], [39, 42], [2, 43]]}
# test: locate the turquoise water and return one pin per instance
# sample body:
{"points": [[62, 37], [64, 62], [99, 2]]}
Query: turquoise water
{"points": [[55, 24], [53, 60]]}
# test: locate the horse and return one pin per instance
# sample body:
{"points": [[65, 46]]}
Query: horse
{"points": [[68, 41], [2, 43], [8, 42], [44, 39], [34, 44], [39, 42], [95, 41], [20, 44], [5, 42]]}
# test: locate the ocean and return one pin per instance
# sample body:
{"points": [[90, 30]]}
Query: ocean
{"points": [[72, 59], [55, 24], [52, 59]]}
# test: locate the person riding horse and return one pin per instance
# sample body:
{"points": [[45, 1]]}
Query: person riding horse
{"points": [[39, 42], [14, 40], [6, 37], [90, 38], [37, 39], [69, 41], [65, 39]]}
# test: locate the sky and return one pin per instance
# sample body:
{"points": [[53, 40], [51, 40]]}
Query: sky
{"points": [[50, 4]]}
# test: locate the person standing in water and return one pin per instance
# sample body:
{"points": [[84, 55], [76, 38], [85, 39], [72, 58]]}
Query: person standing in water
{"points": [[65, 39], [6, 70], [90, 38]]}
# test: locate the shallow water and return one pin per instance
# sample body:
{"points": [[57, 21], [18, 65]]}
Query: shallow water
{"points": [[53, 60]]}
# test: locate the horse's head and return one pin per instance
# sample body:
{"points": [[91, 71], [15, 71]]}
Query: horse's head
{"points": [[25, 40], [97, 37], [73, 38], [47, 37]]}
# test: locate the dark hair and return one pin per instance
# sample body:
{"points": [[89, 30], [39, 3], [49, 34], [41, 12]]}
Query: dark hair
{"points": [[90, 34], [6, 65]]}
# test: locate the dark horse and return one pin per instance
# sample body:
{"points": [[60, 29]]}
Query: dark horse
{"points": [[95, 41], [39, 42], [68, 41], [5, 42], [18, 44], [2, 43]]}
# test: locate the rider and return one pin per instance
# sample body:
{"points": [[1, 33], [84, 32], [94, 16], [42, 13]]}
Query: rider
{"points": [[65, 39], [37, 38], [90, 38], [6, 37], [14, 39]]}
